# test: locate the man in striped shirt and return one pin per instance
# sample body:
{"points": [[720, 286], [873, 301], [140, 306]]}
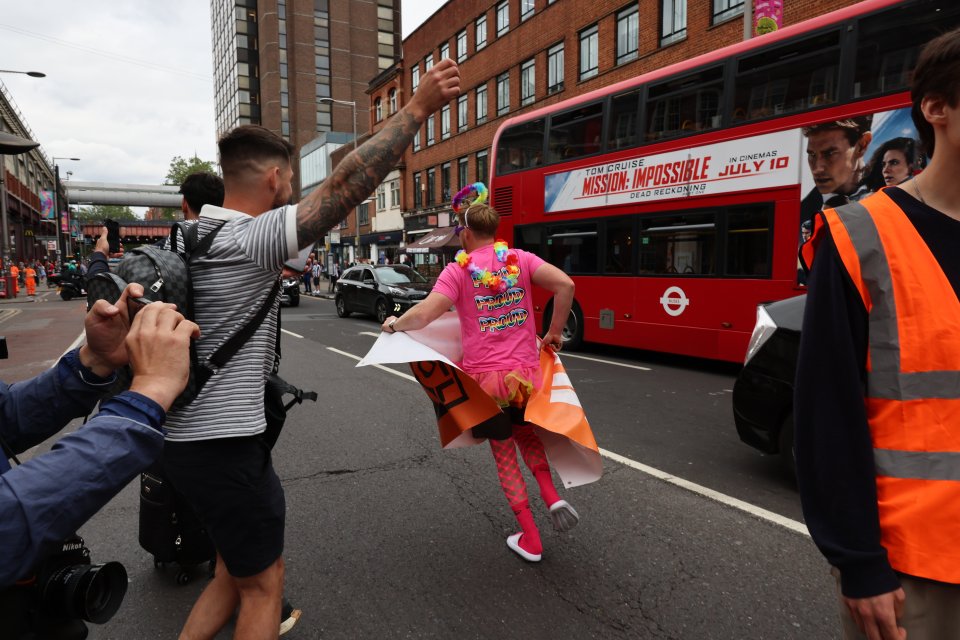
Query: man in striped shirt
{"points": [[214, 454]]}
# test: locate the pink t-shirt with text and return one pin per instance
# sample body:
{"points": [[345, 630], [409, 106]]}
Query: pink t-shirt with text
{"points": [[497, 329]]}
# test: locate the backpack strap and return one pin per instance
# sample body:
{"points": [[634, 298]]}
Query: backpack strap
{"points": [[192, 244], [228, 349]]}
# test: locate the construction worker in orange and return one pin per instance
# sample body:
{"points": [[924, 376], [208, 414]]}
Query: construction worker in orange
{"points": [[15, 274], [31, 279]]}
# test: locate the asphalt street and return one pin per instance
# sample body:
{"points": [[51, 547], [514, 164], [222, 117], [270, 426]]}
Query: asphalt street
{"points": [[388, 536]]}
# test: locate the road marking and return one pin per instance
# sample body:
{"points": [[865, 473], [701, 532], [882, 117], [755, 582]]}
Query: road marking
{"points": [[617, 364], [291, 333], [369, 333], [6, 314], [405, 376], [722, 498]]}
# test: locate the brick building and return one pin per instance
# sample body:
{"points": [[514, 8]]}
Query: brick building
{"points": [[519, 55]]}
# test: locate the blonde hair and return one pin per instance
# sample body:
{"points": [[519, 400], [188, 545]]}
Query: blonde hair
{"points": [[480, 219]]}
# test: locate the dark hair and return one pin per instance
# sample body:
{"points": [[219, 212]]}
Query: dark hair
{"points": [[247, 147], [937, 74], [200, 188], [853, 128], [873, 175]]}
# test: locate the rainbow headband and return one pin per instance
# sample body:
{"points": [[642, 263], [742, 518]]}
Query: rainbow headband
{"points": [[475, 193]]}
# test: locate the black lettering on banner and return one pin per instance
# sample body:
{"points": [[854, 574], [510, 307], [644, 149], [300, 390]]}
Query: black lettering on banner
{"points": [[442, 384]]}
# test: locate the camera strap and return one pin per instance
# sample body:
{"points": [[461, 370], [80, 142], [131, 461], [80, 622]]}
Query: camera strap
{"points": [[8, 452]]}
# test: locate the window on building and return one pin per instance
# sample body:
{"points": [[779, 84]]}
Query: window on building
{"points": [[462, 46], [393, 101], [673, 21], [445, 122], [445, 50], [481, 40], [431, 130], [503, 93], [431, 186], [462, 114], [381, 197], [526, 9], [481, 104], [417, 191], [555, 68], [528, 82], [462, 178], [725, 9], [503, 17], [445, 182], [428, 63], [363, 213], [378, 110], [589, 53], [628, 34], [415, 77], [395, 193], [416, 141], [482, 167]]}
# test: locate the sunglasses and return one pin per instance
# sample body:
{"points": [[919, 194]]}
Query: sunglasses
{"points": [[460, 227]]}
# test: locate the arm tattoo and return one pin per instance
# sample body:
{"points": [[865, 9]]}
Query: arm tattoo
{"points": [[354, 179]]}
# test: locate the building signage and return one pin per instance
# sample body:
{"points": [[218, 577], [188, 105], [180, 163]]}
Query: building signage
{"points": [[46, 204], [767, 16], [766, 161]]}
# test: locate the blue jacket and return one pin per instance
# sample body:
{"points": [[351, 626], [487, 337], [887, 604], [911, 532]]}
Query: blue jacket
{"points": [[47, 498]]}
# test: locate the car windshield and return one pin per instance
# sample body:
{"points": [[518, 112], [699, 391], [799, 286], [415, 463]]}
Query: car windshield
{"points": [[398, 274]]}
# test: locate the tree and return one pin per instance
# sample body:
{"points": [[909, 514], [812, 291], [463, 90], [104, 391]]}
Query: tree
{"points": [[178, 172], [100, 212]]}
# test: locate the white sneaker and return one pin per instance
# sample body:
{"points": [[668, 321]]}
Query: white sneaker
{"points": [[564, 516], [514, 543]]}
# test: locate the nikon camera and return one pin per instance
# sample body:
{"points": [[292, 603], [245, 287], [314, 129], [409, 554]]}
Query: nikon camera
{"points": [[65, 591]]}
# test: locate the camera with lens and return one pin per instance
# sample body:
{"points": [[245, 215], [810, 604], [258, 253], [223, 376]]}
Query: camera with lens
{"points": [[65, 591]]}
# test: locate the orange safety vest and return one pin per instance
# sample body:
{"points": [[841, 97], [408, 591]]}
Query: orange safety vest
{"points": [[912, 382]]}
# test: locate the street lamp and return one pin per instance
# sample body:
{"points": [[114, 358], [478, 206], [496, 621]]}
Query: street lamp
{"points": [[61, 236], [32, 74], [356, 214]]}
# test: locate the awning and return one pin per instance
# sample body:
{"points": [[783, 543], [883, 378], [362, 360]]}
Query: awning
{"points": [[436, 239]]}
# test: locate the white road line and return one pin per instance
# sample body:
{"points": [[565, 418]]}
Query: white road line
{"points": [[405, 376], [746, 507], [291, 333], [369, 333], [76, 343], [617, 364]]}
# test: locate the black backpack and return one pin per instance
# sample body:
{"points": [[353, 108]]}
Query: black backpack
{"points": [[165, 275]]}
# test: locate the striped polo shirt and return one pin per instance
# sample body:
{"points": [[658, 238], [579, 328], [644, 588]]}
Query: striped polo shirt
{"points": [[230, 284]]}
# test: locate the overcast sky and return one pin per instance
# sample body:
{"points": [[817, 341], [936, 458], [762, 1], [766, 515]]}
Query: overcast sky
{"points": [[128, 84]]}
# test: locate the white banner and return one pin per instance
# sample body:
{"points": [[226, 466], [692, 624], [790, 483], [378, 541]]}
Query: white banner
{"points": [[770, 160]]}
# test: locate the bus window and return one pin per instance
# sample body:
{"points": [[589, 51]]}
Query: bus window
{"points": [[575, 133], [794, 77], [520, 147], [528, 238], [618, 248], [573, 247], [624, 121], [686, 104], [683, 244], [748, 241], [888, 43]]}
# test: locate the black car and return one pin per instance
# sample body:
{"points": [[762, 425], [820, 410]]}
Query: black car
{"points": [[290, 292], [763, 392], [380, 290]]}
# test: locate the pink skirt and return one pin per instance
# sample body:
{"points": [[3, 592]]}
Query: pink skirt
{"points": [[509, 387]]}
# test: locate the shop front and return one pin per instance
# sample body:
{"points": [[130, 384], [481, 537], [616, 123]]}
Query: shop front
{"points": [[432, 249]]}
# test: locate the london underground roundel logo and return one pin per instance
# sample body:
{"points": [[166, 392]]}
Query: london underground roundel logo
{"points": [[674, 301]]}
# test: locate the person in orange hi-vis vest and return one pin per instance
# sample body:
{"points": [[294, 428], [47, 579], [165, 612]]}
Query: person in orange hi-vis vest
{"points": [[30, 280], [490, 284], [877, 394], [15, 274]]}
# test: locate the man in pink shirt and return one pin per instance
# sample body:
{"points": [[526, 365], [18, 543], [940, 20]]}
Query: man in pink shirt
{"points": [[490, 285]]}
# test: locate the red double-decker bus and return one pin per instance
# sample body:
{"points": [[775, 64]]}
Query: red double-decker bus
{"points": [[675, 200]]}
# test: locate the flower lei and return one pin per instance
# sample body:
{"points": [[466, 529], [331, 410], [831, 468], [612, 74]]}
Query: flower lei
{"points": [[494, 281]]}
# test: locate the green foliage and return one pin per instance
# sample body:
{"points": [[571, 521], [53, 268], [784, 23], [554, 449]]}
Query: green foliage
{"points": [[180, 169], [99, 212]]}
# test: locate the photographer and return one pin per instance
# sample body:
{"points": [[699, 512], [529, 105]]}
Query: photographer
{"points": [[45, 499]]}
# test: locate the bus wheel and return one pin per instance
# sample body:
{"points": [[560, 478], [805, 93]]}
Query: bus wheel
{"points": [[572, 332]]}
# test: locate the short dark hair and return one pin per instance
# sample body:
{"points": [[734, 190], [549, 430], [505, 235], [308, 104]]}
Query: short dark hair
{"points": [[200, 188], [244, 148], [853, 128], [936, 74]]}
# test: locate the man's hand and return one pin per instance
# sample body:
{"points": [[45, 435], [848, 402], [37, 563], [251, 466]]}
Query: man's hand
{"points": [[877, 616], [439, 86], [553, 340], [386, 324], [103, 245], [106, 326], [159, 349]]}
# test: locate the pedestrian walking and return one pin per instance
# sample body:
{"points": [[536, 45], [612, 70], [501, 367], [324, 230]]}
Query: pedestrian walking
{"points": [[488, 275], [334, 276], [315, 274], [877, 404], [15, 274], [30, 279], [307, 276]]}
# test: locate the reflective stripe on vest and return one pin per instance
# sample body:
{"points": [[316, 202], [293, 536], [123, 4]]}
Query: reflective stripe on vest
{"points": [[912, 383]]}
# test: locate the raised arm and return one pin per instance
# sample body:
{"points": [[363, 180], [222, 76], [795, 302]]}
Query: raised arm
{"points": [[357, 175]]}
